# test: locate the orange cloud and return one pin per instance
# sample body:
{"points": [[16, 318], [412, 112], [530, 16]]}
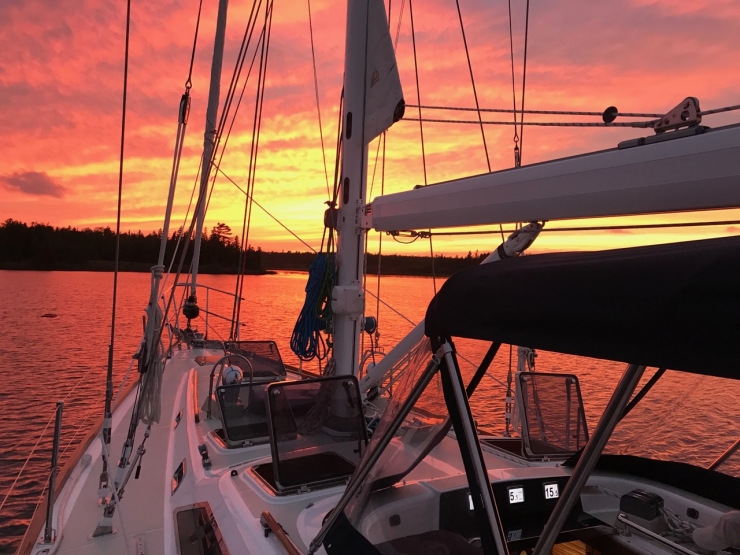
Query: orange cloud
{"points": [[61, 79]]}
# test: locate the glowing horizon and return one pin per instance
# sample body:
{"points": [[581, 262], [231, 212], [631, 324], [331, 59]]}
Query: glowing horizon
{"points": [[61, 76]]}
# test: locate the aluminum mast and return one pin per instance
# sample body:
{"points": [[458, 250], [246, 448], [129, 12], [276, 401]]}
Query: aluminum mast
{"points": [[350, 247]]}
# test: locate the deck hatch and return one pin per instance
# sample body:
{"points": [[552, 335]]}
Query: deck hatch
{"points": [[317, 431], [198, 531]]}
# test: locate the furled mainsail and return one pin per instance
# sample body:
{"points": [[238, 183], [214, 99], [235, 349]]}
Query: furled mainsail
{"points": [[384, 103]]}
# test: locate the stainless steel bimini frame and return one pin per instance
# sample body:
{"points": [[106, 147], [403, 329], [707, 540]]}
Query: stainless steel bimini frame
{"points": [[591, 453], [474, 453]]}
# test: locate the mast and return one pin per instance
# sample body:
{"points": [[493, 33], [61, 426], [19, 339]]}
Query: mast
{"points": [[348, 296], [209, 137]]}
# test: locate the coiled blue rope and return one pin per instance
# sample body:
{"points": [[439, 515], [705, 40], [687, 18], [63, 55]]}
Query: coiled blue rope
{"points": [[306, 341]]}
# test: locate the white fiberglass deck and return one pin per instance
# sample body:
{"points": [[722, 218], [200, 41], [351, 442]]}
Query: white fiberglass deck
{"points": [[145, 518]]}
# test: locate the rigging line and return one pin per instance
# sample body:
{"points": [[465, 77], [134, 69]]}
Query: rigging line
{"points": [[524, 82], [227, 105], [235, 184], [418, 92], [477, 106], [421, 129], [513, 85], [434, 273], [243, 49], [318, 107], [719, 110], [256, 124], [380, 237], [398, 26], [252, 163], [246, 41], [188, 82], [109, 374], [364, 290], [261, 83], [633, 124], [385, 304], [179, 142], [595, 228], [494, 378], [181, 231], [242, 252], [338, 150], [173, 289], [472, 82], [375, 167], [556, 112], [208, 325], [217, 140], [20, 472], [241, 96]]}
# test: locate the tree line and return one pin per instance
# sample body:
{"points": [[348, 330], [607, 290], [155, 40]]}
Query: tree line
{"points": [[42, 247]]}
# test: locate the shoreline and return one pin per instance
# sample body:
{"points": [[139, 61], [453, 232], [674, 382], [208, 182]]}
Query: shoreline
{"points": [[137, 267], [106, 266]]}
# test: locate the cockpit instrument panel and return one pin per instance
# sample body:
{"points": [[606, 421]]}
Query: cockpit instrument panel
{"points": [[523, 505]]}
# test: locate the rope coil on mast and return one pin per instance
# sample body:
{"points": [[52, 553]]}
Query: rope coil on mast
{"points": [[316, 315]]}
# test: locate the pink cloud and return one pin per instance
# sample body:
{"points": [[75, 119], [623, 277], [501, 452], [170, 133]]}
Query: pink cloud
{"points": [[61, 77]]}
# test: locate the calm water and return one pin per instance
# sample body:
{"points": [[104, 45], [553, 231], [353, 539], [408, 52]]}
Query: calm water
{"points": [[43, 360]]}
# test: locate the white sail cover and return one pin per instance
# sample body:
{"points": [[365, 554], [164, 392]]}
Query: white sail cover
{"points": [[383, 94], [685, 174]]}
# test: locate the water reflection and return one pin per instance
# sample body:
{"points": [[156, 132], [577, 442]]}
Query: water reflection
{"points": [[692, 418]]}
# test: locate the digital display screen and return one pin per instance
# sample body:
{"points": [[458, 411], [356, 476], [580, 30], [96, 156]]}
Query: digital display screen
{"points": [[552, 491], [516, 495]]}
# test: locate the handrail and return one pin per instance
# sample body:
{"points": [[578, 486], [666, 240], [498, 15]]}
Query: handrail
{"points": [[665, 541], [268, 521], [726, 455], [222, 317], [206, 310], [229, 293]]}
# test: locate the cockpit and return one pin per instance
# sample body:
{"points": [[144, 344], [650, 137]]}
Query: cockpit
{"points": [[545, 508], [381, 513], [240, 379]]}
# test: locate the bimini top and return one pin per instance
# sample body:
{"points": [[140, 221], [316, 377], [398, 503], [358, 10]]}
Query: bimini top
{"points": [[675, 306]]}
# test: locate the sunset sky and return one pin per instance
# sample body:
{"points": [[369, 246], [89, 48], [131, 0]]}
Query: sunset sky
{"points": [[61, 71]]}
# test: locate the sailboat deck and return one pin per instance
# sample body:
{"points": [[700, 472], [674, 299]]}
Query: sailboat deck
{"points": [[231, 487]]}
